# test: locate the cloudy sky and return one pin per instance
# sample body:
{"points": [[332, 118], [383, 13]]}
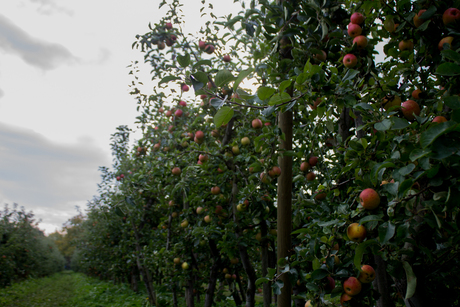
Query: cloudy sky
{"points": [[63, 91]]}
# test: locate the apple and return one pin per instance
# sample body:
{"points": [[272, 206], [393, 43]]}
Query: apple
{"points": [[367, 274], [174, 214], [168, 113], [225, 270], [226, 58], [178, 113], [354, 30], [184, 88], [176, 260], [234, 260], [245, 141], [257, 123], [310, 176], [236, 150], [209, 49], [308, 304], [201, 44], [304, 166], [320, 195], [417, 20], [161, 45], [416, 94], [168, 25], [234, 276], [446, 40], [185, 266], [218, 209], [215, 133], [182, 103], [312, 161], [161, 110], [409, 108], [241, 207], [394, 102], [184, 224], [171, 203], [389, 24], [203, 158], [265, 178], [228, 276], [176, 171], [215, 190], [451, 15], [171, 40], [275, 171], [357, 18], [199, 135], [199, 210], [344, 298], [118, 178], [406, 45], [320, 57], [207, 219], [350, 60], [439, 119], [369, 199], [356, 232], [361, 41], [330, 283], [352, 286]]}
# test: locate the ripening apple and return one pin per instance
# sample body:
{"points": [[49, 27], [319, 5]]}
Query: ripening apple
{"points": [[417, 20], [330, 285], [322, 56], [176, 260], [394, 102], [185, 266], [178, 113], [304, 166], [241, 207], [176, 171], [439, 119], [184, 224], [171, 203], [201, 45], [118, 178], [174, 214], [350, 60], [168, 113], [409, 108], [161, 110], [215, 190], [245, 141], [416, 94], [320, 195], [389, 24], [161, 45], [312, 161], [451, 15], [308, 304], [207, 219], [226, 58], [357, 18], [310, 176], [199, 135], [182, 103], [367, 274], [265, 178], [354, 30], [352, 286], [168, 25], [274, 172], [446, 40], [369, 199], [236, 150], [356, 232], [257, 123], [209, 49], [199, 210], [406, 45], [361, 41], [184, 88], [234, 260], [344, 298]]}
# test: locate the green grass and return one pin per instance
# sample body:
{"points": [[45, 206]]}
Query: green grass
{"points": [[69, 289]]}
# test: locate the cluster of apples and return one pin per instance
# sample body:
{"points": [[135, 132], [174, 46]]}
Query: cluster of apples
{"points": [[353, 286], [369, 200], [306, 167], [169, 40], [208, 48], [355, 31]]}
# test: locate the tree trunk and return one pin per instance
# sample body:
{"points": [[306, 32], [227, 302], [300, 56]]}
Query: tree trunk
{"points": [[381, 283], [212, 282], [189, 301], [284, 212], [267, 287]]}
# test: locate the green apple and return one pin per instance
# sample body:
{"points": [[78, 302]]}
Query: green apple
{"points": [[245, 141]]}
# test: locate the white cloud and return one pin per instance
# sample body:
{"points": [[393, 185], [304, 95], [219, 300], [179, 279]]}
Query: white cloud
{"points": [[33, 51]]}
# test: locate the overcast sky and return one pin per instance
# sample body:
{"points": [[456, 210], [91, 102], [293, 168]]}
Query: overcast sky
{"points": [[63, 91]]}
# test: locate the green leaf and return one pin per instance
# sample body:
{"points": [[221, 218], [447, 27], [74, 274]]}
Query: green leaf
{"points": [[223, 77], [399, 123], [452, 102], [383, 125], [418, 153], [359, 252], [129, 200], [168, 79], [386, 232], [265, 92], [201, 77], [351, 73], [377, 167], [277, 286], [319, 274], [448, 69], [411, 280], [261, 280], [406, 170], [223, 116], [370, 218], [184, 60], [284, 85], [279, 99], [202, 63], [451, 55], [243, 74], [434, 132]]}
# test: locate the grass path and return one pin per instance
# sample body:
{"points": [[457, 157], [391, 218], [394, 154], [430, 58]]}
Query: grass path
{"points": [[69, 289]]}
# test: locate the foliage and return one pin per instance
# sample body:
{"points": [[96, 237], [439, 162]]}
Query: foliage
{"points": [[351, 119]]}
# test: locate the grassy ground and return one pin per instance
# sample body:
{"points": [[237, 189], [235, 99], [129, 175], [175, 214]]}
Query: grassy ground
{"points": [[69, 289]]}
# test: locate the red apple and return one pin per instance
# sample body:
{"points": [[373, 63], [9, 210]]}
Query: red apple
{"points": [[199, 210], [257, 123], [352, 286], [168, 25], [118, 178], [201, 45], [321, 56], [361, 41], [226, 58], [185, 88], [320, 195], [350, 60], [182, 103], [367, 274], [344, 298], [275, 172], [168, 113], [357, 18], [161, 110], [416, 94], [310, 176], [417, 20], [369, 199], [178, 113], [446, 40], [215, 190], [176, 171], [409, 108], [209, 49], [451, 15], [354, 30], [313, 160], [406, 45], [439, 119], [199, 135], [304, 166], [207, 219], [203, 158]]}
